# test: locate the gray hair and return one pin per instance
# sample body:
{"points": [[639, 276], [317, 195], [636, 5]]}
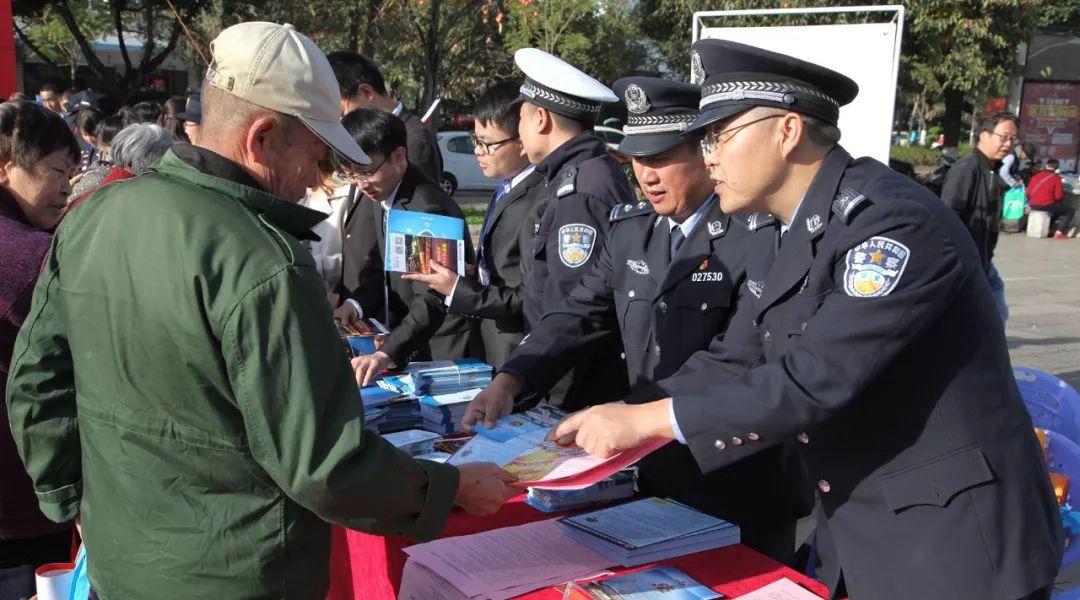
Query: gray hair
{"points": [[137, 147]]}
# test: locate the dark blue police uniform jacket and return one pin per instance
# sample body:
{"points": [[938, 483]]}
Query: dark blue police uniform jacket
{"points": [[885, 359]]}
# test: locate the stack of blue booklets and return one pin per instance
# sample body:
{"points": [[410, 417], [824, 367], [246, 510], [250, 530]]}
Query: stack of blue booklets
{"points": [[443, 413], [649, 530], [438, 377], [620, 486], [387, 410]]}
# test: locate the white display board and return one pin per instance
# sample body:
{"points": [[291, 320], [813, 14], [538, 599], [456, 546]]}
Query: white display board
{"points": [[867, 53]]}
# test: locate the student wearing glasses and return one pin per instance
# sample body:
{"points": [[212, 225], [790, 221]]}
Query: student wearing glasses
{"points": [[420, 328], [504, 251], [972, 188]]}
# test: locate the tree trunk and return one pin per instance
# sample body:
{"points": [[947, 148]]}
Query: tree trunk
{"points": [[953, 121]]}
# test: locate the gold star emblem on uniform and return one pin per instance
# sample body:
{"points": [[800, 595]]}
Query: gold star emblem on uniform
{"points": [[877, 257]]}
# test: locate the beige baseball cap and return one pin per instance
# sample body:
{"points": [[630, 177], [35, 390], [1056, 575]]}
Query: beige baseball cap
{"points": [[277, 67]]}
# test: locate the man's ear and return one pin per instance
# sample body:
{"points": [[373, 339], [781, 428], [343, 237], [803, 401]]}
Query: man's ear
{"points": [[365, 91], [791, 131], [5, 172], [258, 140], [400, 157]]}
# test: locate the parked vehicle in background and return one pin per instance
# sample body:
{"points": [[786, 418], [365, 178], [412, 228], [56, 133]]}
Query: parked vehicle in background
{"points": [[610, 135], [460, 169]]}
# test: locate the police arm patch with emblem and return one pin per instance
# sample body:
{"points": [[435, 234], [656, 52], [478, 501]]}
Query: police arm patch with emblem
{"points": [[576, 242], [874, 267]]}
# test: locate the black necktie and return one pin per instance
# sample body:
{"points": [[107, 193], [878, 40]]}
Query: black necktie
{"points": [[677, 239]]}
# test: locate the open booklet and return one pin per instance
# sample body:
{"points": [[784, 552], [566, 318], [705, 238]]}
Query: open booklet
{"points": [[518, 444], [414, 240]]}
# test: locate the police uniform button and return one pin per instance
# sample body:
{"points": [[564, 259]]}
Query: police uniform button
{"points": [[753, 437], [824, 486], [662, 306], [348, 236], [720, 445], [622, 355], [704, 305], [804, 326], [766, 337], [803, 438], [630, 293], [736, 440], [657, 349]]}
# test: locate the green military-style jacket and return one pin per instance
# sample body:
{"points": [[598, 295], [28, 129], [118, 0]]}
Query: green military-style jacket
{"points": [[180, 387]]}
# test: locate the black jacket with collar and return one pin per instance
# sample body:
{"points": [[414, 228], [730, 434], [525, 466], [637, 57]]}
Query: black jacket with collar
{"points": [[665, 311], [420, 327], [973, 191], [422, 145], [507, 244], [885, 360], [584, 184]]}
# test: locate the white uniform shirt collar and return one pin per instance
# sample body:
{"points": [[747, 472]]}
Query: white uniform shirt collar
{"points": [[389, 202], [785, 226], [688, 225], [516, 179], [397, 109]]}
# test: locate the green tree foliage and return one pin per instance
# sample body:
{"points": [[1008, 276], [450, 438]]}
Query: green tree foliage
{"points": [[600, 37], [40, 27]]}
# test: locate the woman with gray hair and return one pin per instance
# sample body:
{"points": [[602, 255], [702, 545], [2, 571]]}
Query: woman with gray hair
{"points": [[134, 150], [137, 147]]}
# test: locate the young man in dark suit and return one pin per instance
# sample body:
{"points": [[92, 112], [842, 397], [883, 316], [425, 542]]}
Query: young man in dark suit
{"points": [[505, 248], [420, 329], [362, 86]]}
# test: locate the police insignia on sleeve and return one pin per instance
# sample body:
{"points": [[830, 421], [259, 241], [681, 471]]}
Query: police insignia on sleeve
{"points": [[875, 267], [576, 243], [638, 266]]}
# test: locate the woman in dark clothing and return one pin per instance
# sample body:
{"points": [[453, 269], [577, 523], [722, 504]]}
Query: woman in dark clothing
{"points": [[37, 155]]}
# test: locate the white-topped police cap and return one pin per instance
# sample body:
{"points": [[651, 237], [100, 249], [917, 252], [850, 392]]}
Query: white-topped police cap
{"points": [[738, 77], [558, 86], [658, 111]]}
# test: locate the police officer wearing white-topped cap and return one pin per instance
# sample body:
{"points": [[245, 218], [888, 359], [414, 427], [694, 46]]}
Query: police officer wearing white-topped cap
{"points": [[584, 184], [884, 358]]}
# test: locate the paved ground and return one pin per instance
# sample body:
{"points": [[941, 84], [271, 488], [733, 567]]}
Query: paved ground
{"points": [[1042, 287]]}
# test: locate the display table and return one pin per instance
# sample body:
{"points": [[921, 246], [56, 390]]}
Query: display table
{"points": [[368, 567]]}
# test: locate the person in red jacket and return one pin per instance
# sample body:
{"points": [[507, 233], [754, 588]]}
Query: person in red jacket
{"points": [[1045, 193]]}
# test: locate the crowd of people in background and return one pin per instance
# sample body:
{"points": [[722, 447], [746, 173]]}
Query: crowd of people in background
{"points": [[222, 379]]}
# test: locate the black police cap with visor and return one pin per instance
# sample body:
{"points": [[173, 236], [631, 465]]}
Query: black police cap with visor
{"points": [[736, 77], [658, 112]]}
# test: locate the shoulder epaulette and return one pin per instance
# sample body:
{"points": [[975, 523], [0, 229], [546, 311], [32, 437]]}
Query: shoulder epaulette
{"points": [[755, 221], [630, 209], [567, 183], [845, 203]]}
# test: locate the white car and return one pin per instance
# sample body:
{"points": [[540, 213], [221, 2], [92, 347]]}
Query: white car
{"points": [[460, 169]]}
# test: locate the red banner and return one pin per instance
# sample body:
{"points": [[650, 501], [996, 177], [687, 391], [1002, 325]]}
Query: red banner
{"points": [[8, 79], [1050, 119]]}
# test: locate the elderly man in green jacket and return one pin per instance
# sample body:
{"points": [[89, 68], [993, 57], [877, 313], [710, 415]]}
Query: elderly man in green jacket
{"points": [[180, 387]]}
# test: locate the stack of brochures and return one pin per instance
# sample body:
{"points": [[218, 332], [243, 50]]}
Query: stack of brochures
{"points": [[657, 583], [649, 530], [438, 377], [620, 486], [443, 413]]}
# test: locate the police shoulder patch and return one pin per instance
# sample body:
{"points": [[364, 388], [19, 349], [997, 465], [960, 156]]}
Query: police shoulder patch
{"points": [[630, 209], [845, 203], [874, 267], [576, 242]]}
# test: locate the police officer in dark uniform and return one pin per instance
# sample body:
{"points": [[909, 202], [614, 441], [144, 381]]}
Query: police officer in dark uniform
{"points": [[667, 281], [584, 184], [883, 356]]}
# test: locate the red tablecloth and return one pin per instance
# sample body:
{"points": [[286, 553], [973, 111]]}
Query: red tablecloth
{"points": [[368, 567]]}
